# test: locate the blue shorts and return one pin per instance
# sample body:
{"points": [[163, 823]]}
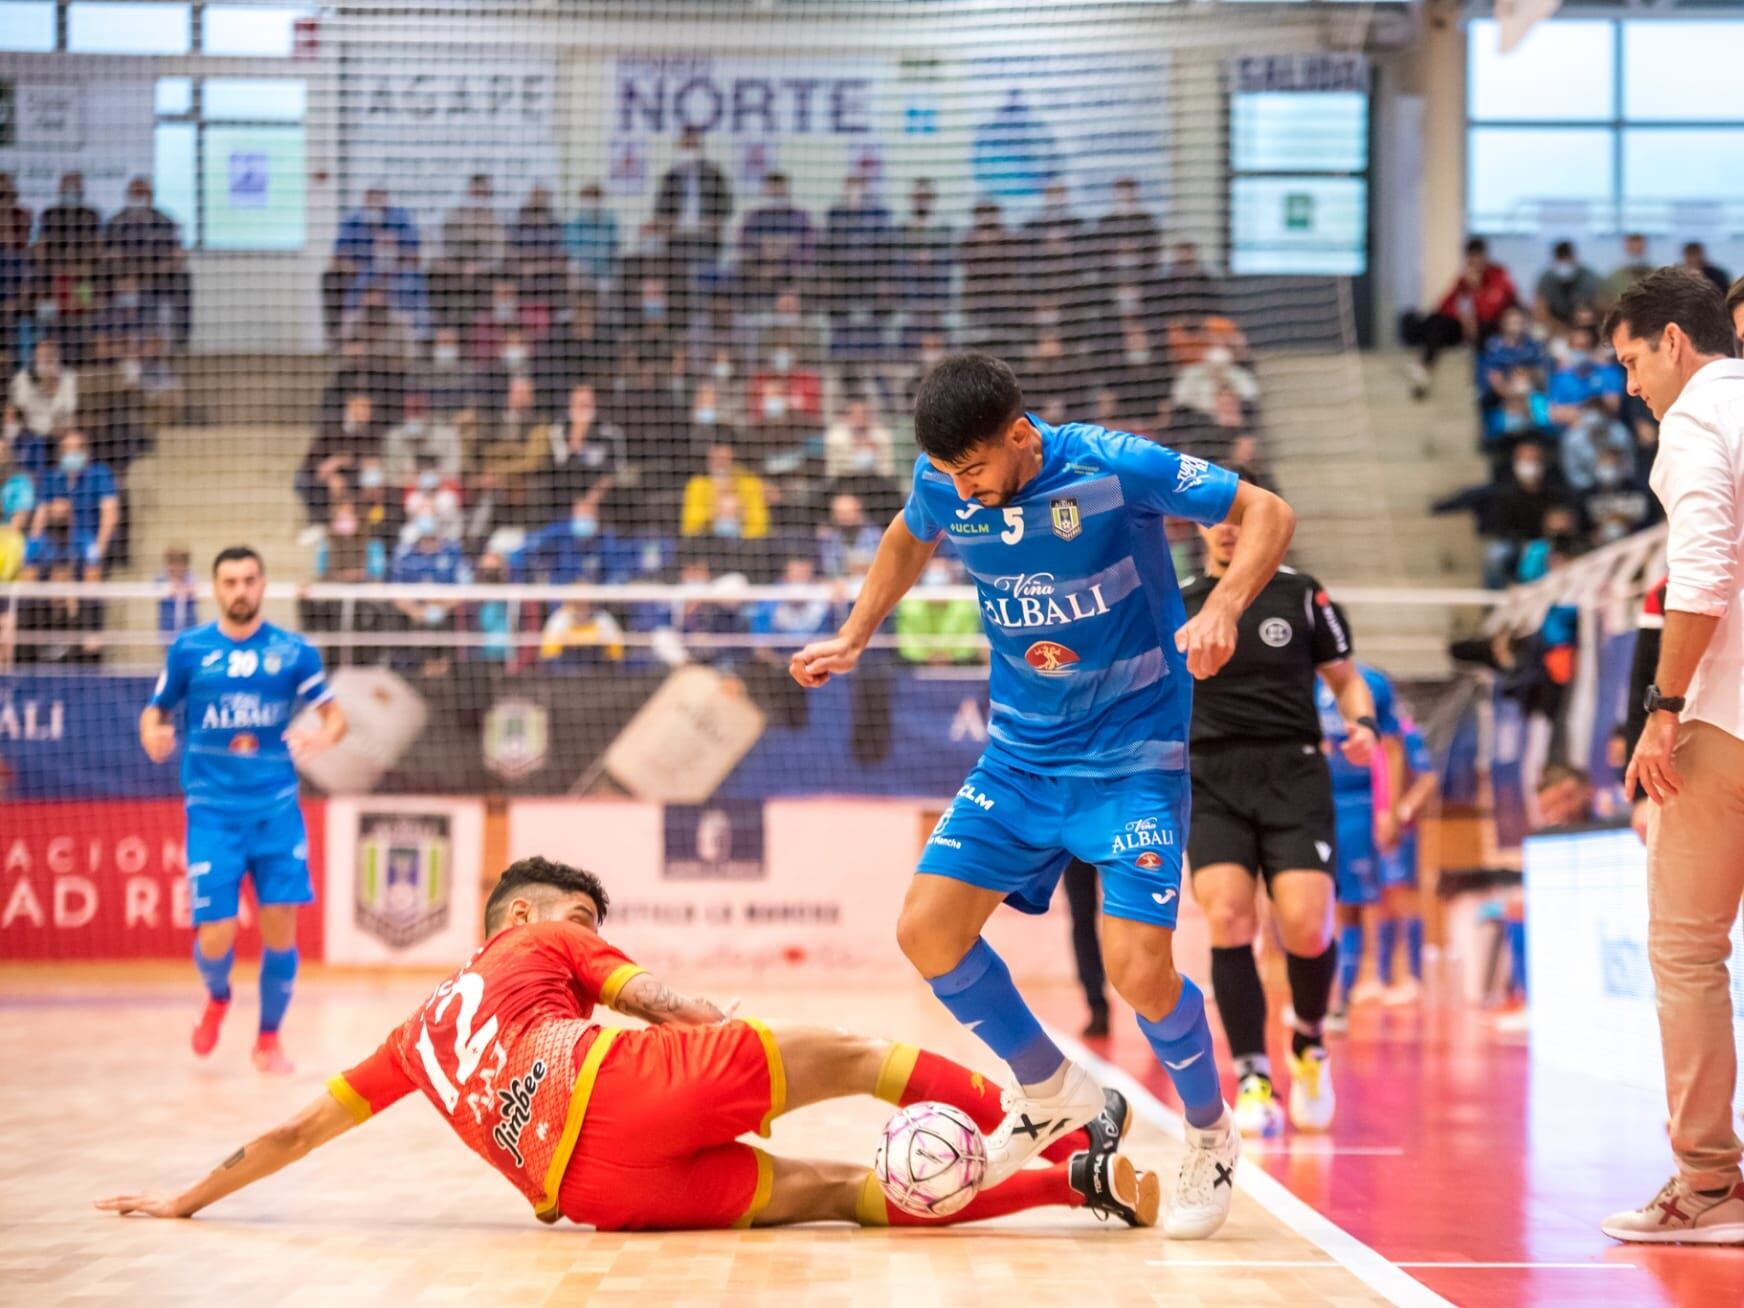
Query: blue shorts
{"points": [[1015, 832], [1359, 878], [273, 849], [1398, 867]]}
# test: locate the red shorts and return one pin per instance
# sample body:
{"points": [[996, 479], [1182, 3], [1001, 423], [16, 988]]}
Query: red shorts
{"points": [[658, 1148]]}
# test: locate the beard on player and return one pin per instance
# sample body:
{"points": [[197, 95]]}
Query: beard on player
{"points": [[242, 609]]}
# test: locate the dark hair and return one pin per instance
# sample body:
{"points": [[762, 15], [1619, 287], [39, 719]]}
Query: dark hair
{"points": [[1675, 295], [1562, 250], [964, 400], [538, 871], [236, 554], [1735, 296], [1477, 245], [1558, 772]]}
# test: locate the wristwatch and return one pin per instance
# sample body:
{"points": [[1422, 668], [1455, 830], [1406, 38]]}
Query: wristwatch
{"points": [[1654, 702], [1368, 720]]}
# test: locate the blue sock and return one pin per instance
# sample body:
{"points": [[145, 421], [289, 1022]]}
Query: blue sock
{"points": [[278, 974], [1350, 952], [1414, 945], [215, 972], [979, 993], [1182, 1042], [1386, 941], [1516, 933]]}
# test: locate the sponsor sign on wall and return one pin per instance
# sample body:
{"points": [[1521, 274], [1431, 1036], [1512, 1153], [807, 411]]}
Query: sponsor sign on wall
{"points": [[404, 886], [108, 879]]}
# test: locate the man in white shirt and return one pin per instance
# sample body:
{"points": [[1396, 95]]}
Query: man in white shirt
{"points": [[1675, 340]]}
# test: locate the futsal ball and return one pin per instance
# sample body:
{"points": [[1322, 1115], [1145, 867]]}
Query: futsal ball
{"points": [[931, 1160]]}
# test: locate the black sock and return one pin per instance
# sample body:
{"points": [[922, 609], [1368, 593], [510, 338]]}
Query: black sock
{"points": [[1241, 999], [1310, 990]]}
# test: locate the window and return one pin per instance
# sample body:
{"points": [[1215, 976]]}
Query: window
{"points": [[1562, 72], [1604, 125], [1272, 132], [1682, 71], [130, 27], [230, 160], [1299, 226], [249, 31], [27, 26]]}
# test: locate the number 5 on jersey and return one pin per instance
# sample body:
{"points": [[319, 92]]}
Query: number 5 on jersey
{"points": [[1013, 526]]}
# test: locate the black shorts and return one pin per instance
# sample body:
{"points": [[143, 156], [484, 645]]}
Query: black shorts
{"points": [[1266, 807]]}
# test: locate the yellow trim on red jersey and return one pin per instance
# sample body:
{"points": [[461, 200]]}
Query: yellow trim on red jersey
{"points": [[893, 1074], [765, 1188], [349, 1099], [616, 982], [870, 1209], [585, 1076], [777, 1074]]}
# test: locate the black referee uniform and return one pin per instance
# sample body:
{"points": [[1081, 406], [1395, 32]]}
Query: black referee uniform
{"points": [[1262, 793]]}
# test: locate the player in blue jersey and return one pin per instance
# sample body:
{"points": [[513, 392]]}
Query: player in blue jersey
{"points": [[1365, 829], [241, 678], [1091, 697], [1401, 906]]}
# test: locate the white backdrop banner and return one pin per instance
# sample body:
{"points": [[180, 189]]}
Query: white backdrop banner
{"points": [[420, 120], [403, 880], [98, 127]]}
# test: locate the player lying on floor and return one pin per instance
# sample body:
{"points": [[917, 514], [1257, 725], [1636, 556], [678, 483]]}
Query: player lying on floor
{"points": [[638, 1129]]}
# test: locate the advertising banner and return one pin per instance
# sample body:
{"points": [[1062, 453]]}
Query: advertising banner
{"points": [[91, 880], [404, 885]]}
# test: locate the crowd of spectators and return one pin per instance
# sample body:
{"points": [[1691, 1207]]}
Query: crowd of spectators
{"points": [[542, 396], [1568, 450], [93, 313]]}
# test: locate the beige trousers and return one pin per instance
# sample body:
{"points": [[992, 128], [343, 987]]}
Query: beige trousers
{"points": [[1695, 880]]}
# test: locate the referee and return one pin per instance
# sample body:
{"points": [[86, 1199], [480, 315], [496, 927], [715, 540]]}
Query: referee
{"points": [[1262, 807]]}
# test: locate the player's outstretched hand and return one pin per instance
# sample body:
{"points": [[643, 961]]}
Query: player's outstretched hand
{"points": [[150, 1205], [159, 741], [1208, 640], [823, 659]]}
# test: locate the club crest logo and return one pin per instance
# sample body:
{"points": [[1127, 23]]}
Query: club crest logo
{"points": [[517, 738], [405, 876], [1050, 658], [1276, 632], [272, 663], [1064, 516]]}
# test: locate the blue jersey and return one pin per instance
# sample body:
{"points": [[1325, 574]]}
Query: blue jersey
{"points": [[1419, 762], [1350, 782], [1078, 598], [240, 697]]}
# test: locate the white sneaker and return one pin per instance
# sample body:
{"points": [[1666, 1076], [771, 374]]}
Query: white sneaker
{"points": [[1311, 1098], [1678, 1215], [1365, 992], [1400, 993], [1418, 377], [1031, 1125], [1206, 1184], [1258, 1115]]}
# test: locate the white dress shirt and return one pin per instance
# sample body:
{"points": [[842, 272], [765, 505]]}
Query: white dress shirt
{"points": [[1699, 478]]}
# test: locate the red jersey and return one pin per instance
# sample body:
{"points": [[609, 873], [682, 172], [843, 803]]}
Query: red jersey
{"points": [[507, 1050], [1487, 301]]}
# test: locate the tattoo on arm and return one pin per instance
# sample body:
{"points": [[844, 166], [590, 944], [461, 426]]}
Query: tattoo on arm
{"points": [[234, 1158], [658, 1001]]}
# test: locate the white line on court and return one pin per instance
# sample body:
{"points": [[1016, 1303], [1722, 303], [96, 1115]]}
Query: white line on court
{"points": [[1380, 1275], [1321, 1262]]}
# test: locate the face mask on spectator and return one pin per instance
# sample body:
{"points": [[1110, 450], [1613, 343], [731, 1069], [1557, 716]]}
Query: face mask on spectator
{"points": [[1608, 474], [728, 527], [72, 194], [370, 478], [73, 461], [446, 355], [781, 360], [429, 480], [131, 371], [1138, 354], [584, 527], [503, 310], [1126, 296], [653, 309], [1219, 356], [1528, 472], [424, 524], [705, 417], [1049, 317], [127, 300], [1566, 269], [433, 614], [774, 405], [515, 356], [47, 311], [723, 370]]}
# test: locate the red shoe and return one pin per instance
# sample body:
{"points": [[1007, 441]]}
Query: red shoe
{"points": [[269, 1057], [206, 1033]]}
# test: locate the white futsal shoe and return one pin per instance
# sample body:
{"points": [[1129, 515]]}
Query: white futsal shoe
{"points": [[1311, 1098], [1031, 1125], [1680, 1215], [1206, 1184]]}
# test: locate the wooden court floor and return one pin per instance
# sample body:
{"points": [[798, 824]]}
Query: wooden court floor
{"points": [[103, 1097]]}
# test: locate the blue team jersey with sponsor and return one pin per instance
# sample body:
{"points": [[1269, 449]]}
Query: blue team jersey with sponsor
{"points": [[1418, 760], [1348, 780], [1078, 598], [240, 697]]}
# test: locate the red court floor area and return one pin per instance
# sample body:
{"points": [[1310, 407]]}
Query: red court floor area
{"points": [[1449, 1149]]}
